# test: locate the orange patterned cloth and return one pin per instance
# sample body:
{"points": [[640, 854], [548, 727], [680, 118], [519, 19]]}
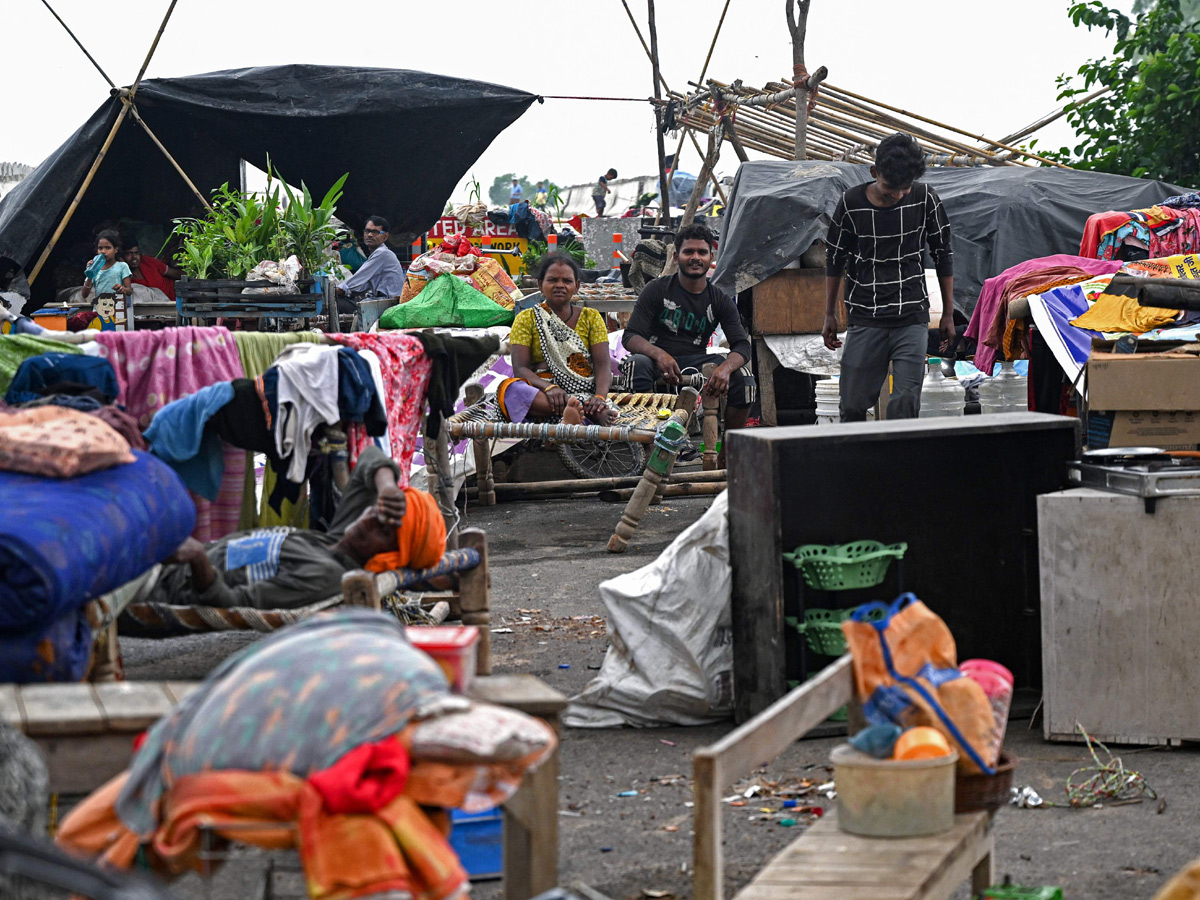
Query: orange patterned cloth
{"points": [[59, 442], [401, 846], [420, 539]]}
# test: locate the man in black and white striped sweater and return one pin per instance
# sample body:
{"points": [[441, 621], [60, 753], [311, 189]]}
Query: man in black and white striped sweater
{"points": [[877, 240]]}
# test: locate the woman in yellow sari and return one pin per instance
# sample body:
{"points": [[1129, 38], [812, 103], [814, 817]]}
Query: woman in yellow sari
{"points": [[560, 356]]}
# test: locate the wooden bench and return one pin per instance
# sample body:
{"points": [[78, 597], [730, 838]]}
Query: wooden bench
{"points": [[825, 863], [86, 732]]}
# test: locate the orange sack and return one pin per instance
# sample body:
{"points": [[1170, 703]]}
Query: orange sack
{"points": [[906, 672]]}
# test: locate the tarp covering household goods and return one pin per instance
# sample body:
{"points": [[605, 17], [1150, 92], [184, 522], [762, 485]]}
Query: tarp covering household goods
{"points": [[405, 137], [1000, 216]]}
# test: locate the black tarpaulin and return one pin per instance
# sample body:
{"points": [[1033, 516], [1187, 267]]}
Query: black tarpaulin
{"points": [[1000, 216], [406, 138]]}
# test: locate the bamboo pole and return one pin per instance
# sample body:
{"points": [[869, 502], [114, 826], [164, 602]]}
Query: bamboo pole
{"points": [[703, 71], [79, 44], [153, 46], [535, 490], [1051, 117], [74, 205], [664, 185], [970, 134], [663, 82], [137, 117], [623, 495]]}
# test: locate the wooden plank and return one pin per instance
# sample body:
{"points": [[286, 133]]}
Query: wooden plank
{"points": [[530, 837], [792, 301], [475, 598], [708, 875], [826, 862], [80, 764], [10, 706], [60, 709], [755, 545], [767, 363], [177, 690], [524, 693], [132, 705], [772, 731]]}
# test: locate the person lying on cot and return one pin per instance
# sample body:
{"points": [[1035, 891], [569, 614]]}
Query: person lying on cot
{"points": [[560, 354], [377, 526]]}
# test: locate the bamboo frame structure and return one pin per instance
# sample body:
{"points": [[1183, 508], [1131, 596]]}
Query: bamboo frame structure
{"points": [[845, 126]]}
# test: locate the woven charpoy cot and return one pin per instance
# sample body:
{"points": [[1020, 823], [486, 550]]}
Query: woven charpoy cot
{"points": [[159, 620], [633, 410]]}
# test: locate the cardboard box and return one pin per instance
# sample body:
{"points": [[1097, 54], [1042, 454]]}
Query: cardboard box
{"points": [[792, 301], [1144, 381], [1168, 430]]}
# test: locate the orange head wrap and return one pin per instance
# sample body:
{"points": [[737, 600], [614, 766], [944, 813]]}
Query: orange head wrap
{"points": [[420, 539]]}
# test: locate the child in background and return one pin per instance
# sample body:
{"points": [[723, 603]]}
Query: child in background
{"points": [[106, 274]]}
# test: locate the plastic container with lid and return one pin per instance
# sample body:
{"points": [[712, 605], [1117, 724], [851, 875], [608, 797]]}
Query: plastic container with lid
{"points": [[893, 798], [452, 648], [1004, 392], [940, 396]]}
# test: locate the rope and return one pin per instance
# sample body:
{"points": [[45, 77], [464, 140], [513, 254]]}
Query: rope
{"points": [[1107, 781], [614, 99]]}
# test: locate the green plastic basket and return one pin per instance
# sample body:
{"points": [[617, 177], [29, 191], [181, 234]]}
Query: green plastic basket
{"points": [[822, 629], [859, 564]]}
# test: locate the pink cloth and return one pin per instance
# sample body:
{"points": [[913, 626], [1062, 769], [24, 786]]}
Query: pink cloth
{"points": [[989, 298], [155, 368], [405, 369]]}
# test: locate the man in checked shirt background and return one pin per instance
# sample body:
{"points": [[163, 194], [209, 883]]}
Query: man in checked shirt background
{"points": [[877, 240]]}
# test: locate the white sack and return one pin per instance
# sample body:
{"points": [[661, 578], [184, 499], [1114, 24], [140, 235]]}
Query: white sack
{"points": [[671, 656]]}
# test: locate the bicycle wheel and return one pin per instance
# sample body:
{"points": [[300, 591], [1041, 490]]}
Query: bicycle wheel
{"points": [[603, 459]]}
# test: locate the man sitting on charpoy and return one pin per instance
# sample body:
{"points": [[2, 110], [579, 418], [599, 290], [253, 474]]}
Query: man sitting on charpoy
{"points": [[377, 526]]}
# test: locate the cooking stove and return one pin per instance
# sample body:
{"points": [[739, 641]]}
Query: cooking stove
{"points": [[1147, 474]]}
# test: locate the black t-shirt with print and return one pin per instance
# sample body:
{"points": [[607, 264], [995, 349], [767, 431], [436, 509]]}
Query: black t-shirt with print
{"points": [[680, 322]]}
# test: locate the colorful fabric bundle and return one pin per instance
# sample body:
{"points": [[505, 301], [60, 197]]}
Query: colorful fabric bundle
{"points": [[59, 442], [405, 370], [420, 539], [68, 373], [60, 651], [312, 735], [156, 367], [63, 542]]}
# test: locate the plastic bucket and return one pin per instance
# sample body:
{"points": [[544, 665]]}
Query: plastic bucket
{"points": [[893, 798]]}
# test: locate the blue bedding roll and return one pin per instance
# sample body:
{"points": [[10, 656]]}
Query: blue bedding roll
{"points": [[65, 541], [59, 652]]}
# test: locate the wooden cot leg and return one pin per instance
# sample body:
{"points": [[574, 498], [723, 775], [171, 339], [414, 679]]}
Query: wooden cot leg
{"points": [[983, 876], [660, 464], [107, 664], [710, 426], [359, 589], [475, 598], [483, 472], [767, 363]]}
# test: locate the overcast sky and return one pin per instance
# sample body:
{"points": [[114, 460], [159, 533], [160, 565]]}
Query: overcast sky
{"points": [[987, 68]]}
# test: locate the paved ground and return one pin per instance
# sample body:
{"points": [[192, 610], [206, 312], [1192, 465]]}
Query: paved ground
{"points": [[547, 559]]}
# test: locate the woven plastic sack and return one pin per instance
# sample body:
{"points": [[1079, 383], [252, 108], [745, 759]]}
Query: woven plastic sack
{"points": [[670, 657], [490, 279], [906, 672], [447, 300]]}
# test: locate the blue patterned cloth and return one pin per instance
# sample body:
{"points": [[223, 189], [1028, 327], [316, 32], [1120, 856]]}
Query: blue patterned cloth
{"points": [[454, 561], [60, 651], [65, 541]]}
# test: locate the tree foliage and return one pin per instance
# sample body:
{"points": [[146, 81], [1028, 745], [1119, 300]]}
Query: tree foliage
{"points": [[1146, 124], [501, 188]]}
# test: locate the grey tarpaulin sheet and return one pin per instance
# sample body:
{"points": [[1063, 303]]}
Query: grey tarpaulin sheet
{"points": [[1000, 216], [405, 137]]}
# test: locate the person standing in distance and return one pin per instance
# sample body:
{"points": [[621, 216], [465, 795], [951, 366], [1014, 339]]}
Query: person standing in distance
{"points": [[515, 192], [877, 240], [601, 190]]}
